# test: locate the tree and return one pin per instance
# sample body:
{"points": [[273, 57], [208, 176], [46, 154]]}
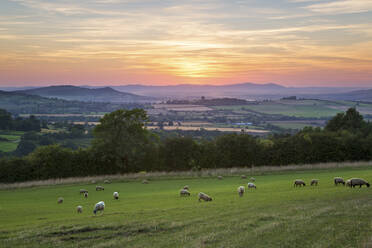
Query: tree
{"points": [[351, 120], [5, 120], [120, 139]]}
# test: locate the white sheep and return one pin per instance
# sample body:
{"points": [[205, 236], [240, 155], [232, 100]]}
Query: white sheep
{"points": [[60, 200], [348, 183], [79, 209], [184, 192], [358, 182], [116, 195], [100, 206], [107, 181], [252, 179], [204, 197], [82, 191], [314, 182], [98, 188], [86, 194], [186, 187], [243, 177], [299, 182], [251, 186], [145, 181], [220, 177], [241, 190], [339, 180]]}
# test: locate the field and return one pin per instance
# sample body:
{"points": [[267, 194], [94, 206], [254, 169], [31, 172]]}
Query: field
{"points": [[153, 215], [11, 142]]}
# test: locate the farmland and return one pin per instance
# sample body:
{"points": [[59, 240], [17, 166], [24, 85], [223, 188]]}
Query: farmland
{"points": [[153, 215], [9, 140]]}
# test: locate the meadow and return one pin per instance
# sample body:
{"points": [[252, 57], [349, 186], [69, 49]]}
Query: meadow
{"points": [[10, 140], [154, 215]]}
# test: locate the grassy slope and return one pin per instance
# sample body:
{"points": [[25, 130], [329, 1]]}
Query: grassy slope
{"points": [[153, 215], [13, 138]]}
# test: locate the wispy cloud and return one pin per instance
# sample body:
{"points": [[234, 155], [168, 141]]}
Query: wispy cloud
{"points": [[342, 7]]}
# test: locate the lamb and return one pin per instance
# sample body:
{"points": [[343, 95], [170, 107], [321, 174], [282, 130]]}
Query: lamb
{"points": [[299, 182], [184, 192], [252, 179], [241, 190], [348, 183], [60, 200], [99, 188], [358, 181], [243, 177], [339, 180], [204, 197], [145, 181], [186, 187], [100, 206], [107, 181], [220, 177], [251, 186], [79, 209], [314, 182], [83, 191], [86, 195], [116, 195]]}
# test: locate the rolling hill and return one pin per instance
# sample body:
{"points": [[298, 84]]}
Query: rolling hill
{"points": [[69, 92]]}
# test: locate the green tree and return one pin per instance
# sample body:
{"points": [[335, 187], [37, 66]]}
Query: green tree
{"points": [[120, 140], [352, 120]]}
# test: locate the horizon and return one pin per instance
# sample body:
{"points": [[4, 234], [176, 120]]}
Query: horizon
{"points": [[294, 43]]}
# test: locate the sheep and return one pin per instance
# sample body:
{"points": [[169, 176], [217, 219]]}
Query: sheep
{"points": [[358, 181], [251, 186], [184, 192], [86, 195], [100, 206], [339, 180], [204, 197], [93, 182], [186, 187], [299, 182], [252, 179], [243, 177], [220, 177], [348, 183], [60, 200], [79, 209], [107, 181], [145, 181], [314, 182], [83, 191], [116, 195], [241, 190], [98, 188]]}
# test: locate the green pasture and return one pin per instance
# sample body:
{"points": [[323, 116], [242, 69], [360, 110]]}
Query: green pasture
{"points": [[154, 215], [13, 138]]}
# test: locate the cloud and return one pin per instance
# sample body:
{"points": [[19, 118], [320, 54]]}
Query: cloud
{"points": [[341, 7]]}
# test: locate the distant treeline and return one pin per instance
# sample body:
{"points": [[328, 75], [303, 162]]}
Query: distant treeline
{"points": [[7, 122], [122, 145]]}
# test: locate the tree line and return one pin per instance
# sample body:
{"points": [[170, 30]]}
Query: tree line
{"points": [[122, 144]]}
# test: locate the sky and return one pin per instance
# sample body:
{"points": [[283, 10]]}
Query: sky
{"points": [[167, 42]]}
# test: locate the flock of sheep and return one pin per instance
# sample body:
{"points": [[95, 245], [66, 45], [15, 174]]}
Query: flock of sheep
{"points": [[185, 191]]}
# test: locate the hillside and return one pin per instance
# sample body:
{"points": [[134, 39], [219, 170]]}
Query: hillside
{"points": [[359, 95], [69, 92], [20, 103]]}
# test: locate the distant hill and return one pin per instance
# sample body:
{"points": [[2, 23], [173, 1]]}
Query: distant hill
{"points": [[69, 92], [358, 95], [20, 103]]}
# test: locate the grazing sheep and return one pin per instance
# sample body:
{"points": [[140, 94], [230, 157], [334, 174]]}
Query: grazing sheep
{"points": [[251, 186], [107, 181], [60, 200], [220, 177], [252, 179], [99, 188], [241, 190], [204, 197], [145, 181], [358, 182], [86, 194], [79, 209], [243, 177], [100, 206], [184, 192], [116, 195], [348, 183], [299, 182], [314, 182], [83, 191], [339, 180], [93, 182], [186, 187]]}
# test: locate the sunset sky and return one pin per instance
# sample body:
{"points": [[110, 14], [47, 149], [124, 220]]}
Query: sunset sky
{"points": [[164, 42]]}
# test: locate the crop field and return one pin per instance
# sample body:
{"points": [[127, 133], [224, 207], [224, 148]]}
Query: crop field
{"points": [[154, 215], [10, 140]]}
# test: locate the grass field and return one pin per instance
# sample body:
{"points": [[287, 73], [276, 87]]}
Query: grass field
{"points": [[153, 215], [13, 138]]}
